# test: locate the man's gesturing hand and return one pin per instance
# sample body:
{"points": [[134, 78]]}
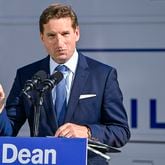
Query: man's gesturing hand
{"points": [[2, 98]]}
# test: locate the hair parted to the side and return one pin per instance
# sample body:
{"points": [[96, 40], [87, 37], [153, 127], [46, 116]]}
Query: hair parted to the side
{"points": [[57, 11]]}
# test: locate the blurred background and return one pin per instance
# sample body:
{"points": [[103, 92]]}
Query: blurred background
{"points": [[126, 34]]}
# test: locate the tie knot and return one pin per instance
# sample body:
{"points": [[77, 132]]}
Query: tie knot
{"points": [[62, 68]]}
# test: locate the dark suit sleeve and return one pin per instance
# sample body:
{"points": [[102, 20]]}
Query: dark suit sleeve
{"points": [[113, 129], [13, 116]]}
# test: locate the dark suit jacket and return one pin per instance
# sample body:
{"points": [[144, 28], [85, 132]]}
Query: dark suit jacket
{"points": [[104, 113]]}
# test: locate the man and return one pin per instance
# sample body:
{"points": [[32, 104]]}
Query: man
{"points": [[94, 100]]}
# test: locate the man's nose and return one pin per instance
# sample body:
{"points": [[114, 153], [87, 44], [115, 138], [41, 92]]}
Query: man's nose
{"points": [[59, 40]]}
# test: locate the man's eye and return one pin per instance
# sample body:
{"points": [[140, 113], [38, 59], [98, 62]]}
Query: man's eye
{"points": [[65, 34], [51, 36]]}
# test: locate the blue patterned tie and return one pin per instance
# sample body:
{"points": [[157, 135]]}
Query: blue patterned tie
{"points": [[61, 95]]}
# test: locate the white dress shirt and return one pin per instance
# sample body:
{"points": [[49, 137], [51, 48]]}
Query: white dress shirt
{"points": [[71, 64]]}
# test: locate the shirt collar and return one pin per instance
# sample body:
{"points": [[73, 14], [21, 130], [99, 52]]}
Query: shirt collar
{"points": [[71, 63]]}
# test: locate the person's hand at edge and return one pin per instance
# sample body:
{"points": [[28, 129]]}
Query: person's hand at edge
{"points": [[2, 98]]}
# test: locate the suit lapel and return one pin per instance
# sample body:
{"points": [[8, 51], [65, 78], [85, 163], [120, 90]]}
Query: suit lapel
{"points": [[78, 84]]}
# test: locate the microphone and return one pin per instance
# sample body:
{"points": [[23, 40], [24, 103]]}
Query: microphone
{"points": [[34, 82], [54, 79]]}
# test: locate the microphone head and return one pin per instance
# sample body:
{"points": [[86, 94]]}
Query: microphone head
{"points": [[34, 82], [39, 76], [53, 80], [56, 77]]}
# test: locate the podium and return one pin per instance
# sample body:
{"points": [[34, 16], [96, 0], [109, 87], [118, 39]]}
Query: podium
{"points": [[43, 150]]}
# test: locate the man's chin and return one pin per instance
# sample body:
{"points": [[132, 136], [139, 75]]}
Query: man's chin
{"points": [[61, 60]]}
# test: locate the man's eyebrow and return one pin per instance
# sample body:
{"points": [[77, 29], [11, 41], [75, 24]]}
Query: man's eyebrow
{"points": [[50, 33]]}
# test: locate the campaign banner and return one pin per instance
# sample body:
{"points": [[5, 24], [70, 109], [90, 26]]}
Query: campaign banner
{"points": [[40, 150]]}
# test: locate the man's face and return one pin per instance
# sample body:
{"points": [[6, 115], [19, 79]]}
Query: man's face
{"points": [[59, 39]]}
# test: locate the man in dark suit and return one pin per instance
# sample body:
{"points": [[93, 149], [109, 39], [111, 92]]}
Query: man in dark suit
{"points": [[94, 102]]}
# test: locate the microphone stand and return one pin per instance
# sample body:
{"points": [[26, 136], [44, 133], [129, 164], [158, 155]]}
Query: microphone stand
{"points": [[37, 103], [37, 110]]}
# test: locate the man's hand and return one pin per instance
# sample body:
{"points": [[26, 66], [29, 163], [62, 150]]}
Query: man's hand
{"points": [[72, 130], [2, 98]]}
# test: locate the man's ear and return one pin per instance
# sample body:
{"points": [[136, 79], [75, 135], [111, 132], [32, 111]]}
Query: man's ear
{"points": [[77, 32], [41, 36]]}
